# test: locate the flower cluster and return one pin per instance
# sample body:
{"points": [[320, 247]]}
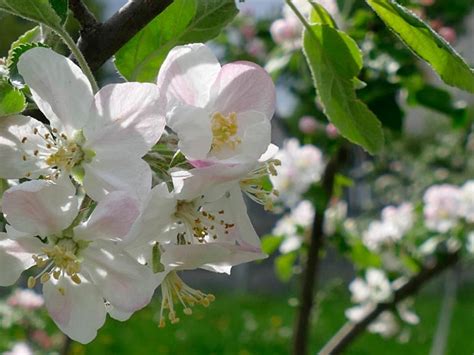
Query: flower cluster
{"points": [[127, 186]]}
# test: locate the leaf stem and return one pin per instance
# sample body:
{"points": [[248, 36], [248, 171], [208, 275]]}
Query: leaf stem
{"points": [[300, 16], [80, 59]]}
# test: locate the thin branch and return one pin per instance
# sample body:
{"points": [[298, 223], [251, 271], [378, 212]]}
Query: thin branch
{"points": [[350, 331], [101, 42], [316, 244], [82, 14]]}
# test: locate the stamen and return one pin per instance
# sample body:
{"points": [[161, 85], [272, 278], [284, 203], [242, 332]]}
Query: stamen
{"points": [[174, 290], [224, 131]]}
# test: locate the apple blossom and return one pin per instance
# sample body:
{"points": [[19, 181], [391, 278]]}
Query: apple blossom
{"points": [[442, 204], [20, 348], [466, 209], [211, 231], [24, 298], [220, 114], [86, 131], [300, 167], [81, 263]]}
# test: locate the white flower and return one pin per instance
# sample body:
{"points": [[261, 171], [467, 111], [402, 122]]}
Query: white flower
{"points": [[98, 139], [375, 288], [334, 216], [386, 325], [466, 209], [300, 217], [442, 205], [470, 243], [80, 265], [27, 299], [220, 114], [300, 167], [395, 223], [211, 232], [20, 349]]}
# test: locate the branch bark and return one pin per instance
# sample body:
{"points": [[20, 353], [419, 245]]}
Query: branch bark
{"points": [[82, 14], [316, 244], [350, 331], [101, 41]]}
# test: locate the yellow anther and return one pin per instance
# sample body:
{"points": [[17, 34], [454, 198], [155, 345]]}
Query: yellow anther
{"points": [[224, 131], [45, 278], [31, 282]]}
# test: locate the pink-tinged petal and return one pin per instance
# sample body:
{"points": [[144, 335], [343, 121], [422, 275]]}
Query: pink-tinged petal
{"points": [[186, 76], [123, 282], [125, 120], [78, 310], [244, 86], [17, 146], [114, 173], [15, 257], [256, 135], [41, 207], [112, 218], [193, 127], [156, 215], [217, 257], [59, 87]]}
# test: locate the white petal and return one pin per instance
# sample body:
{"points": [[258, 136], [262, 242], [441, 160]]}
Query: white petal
{"points": [[217, 257], [116, 173], [117, 314], [17, 146], [244, 86], [125, 120], [186, 76], [193, 127], [125, 283], [79, 311], [112, 218], [59, 87], [15, 257], [156, 215], [40, 207]]}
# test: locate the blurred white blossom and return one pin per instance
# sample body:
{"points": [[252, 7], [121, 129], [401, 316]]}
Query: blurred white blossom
{"points": [[442, 206]]}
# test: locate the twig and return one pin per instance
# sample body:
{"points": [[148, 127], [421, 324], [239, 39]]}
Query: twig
{"points": [[83, 15], [66, 346], [350, 331], [316, 244], [101, 42]]}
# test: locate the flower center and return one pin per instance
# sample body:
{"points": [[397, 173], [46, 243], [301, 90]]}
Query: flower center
{"points": [[257, 184], [57, 151], [224, 131], [199, 224], [174, 290], [57, 260]]}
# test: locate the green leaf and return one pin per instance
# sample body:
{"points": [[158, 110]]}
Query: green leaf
{"points": [[319, 15], [157, 266], [426, 43], [40, 11], [270, 243], [27, 41], [284, 266], [184, 21], [335, 60], [12, 100], [61, 8]]}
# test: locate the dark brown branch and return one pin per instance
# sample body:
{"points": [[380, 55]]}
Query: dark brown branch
{"points": [[101, 42], [350, 331], [316, 243], [82, 14]]}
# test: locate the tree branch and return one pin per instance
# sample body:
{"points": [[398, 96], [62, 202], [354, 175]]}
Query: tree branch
{"points": [[316, 244], [82, 14], [101, 42], [350, 331]]}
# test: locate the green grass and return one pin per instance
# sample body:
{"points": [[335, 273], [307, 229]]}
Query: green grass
{"points": [[262, 324]]}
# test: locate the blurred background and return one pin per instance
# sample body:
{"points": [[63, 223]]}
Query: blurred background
{"points": [[429, 141]]}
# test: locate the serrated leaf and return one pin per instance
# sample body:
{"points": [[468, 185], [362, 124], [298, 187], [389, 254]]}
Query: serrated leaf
{"points": [[284, 266], [335, 60], [61, 8], [15, 54], [319, 15], [184, 21], [39, 11], [426, 43], [12, 100], [32, 35]]}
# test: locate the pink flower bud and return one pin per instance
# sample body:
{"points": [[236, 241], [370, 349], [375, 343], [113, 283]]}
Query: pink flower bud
{"points": [[448, 33], [283, 31], [248, 30], [332, 131], [308, 124]]}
